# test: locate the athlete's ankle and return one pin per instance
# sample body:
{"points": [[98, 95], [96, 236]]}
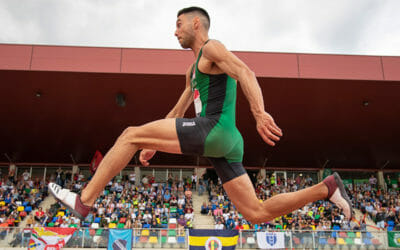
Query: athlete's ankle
{"points": [[85, 199], [324, 189]]}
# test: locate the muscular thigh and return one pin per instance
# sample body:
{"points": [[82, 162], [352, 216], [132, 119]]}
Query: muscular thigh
{"points": [[159, 135], [241, 192]]}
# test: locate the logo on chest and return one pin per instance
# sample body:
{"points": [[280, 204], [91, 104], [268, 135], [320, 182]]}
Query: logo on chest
{"points": [[197, 102]]}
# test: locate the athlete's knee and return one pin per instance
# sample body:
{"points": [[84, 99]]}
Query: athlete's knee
{"points": [[257, 215], [128, 135], [254, 218]]}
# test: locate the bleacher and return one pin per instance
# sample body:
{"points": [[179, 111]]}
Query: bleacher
{"points": [[161, 229]]}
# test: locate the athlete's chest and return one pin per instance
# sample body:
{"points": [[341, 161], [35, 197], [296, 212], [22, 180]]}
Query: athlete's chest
{"points": [[201, 72], [208, 67]]}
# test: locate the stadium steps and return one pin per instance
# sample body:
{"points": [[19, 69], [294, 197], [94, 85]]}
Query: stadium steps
{"points": [[46, 203], [359, 215], [201, 221]]}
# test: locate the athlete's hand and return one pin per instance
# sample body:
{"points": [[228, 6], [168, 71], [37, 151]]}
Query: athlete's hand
{"points": [[267, 129], [145, 156]]}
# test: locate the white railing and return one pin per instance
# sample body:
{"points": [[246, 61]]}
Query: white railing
{"points": [[175, 238]]}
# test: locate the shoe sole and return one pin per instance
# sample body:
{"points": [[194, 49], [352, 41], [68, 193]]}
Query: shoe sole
{"points": [[343, 193], [68, 207]]}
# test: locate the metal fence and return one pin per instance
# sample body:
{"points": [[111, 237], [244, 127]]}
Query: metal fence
{"points": [[322, 239], [175, 238]]}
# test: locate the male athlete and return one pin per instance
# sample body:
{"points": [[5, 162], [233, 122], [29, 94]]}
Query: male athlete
{"points": [[211, 83]]}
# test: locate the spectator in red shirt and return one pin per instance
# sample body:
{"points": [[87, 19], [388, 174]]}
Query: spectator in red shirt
{"points": [[189, 209], [39, 215], [239, 226]]}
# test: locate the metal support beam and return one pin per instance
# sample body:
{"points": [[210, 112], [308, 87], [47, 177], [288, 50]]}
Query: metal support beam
{"points": [[325, 163], [385, 164], [73, 159], [265, 162], [8, 157]]}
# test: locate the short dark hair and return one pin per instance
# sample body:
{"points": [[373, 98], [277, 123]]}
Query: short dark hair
{"points": [[198, 10]]}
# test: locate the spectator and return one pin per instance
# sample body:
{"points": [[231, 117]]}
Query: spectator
{"points": [[189, 213], [239, 226], [204, 209], [128, 223], [173, 202], [147, 216], [17, 240], [30, 221], [388, 182], [39, 215], [132, 178], [369, 208], [188, 193], [26, 175], [380, 219], [181, 224], [373, 181], [201, 186], [145, 181], [180, 210], [181, 200], [218, 211], [230, 223], [219, 226], [26, 236], [194, 180]]}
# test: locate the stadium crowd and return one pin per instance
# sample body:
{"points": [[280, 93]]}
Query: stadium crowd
{"points": [[18, 197], [380, 205], [126, 205], [383, 207], [151, 205]]}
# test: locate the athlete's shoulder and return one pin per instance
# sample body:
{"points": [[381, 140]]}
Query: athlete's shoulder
{"points": [[213, 42], [214, 49]]}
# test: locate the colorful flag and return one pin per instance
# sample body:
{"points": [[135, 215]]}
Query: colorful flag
{"points": [[200, 239], [394, 239], [49, 238], [120, 239], [271, 240], [95, 161]]}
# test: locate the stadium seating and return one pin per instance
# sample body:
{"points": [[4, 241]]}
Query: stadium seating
{"points": [[153, 240]]}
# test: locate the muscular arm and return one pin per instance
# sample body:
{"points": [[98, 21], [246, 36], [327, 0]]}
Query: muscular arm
{"points": [[177, 111], [234, 67], [184, 101]]}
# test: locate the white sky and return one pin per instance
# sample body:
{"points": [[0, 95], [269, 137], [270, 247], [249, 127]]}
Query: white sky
{"points": [[367, 27]]}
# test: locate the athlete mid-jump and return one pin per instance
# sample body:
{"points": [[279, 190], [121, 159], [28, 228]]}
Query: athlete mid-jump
{"points": [[211, 83]]}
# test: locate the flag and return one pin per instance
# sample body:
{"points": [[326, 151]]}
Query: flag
{"points": [[120, 239], [394, 239], [53, 238], [200, 239], [95, 161], [271, 240]]}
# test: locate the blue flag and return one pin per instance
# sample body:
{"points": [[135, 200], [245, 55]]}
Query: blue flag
{"points": [[120, 239], [200, 239]]}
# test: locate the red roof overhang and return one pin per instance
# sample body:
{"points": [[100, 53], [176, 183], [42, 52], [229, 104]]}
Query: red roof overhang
{"points": [[337, 109]]}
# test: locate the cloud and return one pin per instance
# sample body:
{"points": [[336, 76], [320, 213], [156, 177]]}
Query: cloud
{"points": [[308, 26]]}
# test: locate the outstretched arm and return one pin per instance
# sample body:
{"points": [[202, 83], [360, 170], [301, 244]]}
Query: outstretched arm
{"points": [[234, 67], [177, 111]]}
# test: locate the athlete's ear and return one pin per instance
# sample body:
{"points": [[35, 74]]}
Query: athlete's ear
{"points": [[196, 22]]}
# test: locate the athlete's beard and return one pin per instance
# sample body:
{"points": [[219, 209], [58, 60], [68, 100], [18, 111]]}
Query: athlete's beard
{"points": [[187, 43]]}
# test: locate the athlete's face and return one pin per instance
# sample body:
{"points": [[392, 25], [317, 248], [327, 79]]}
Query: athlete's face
{"points": [[184, 30]]}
